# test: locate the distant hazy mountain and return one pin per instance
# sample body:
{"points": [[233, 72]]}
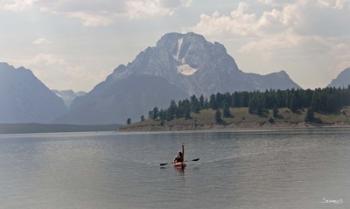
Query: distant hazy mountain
{"points": [[113, 102], [68, 96], [343, 79], [178, 66], [24, 99]]}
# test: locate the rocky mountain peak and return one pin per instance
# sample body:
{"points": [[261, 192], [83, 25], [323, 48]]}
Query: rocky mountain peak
{"points": [[177, 56], [191, 51]]}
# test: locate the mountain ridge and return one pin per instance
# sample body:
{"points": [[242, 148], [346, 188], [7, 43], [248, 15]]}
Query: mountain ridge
{"points": [[342, 80], [25, 99], [185, 64]]}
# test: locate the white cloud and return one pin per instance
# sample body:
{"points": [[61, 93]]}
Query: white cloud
{"points": [[41, 41], [293, 24], [275, 3], [153, 8], [16, 5], [313, 32], [186, 3], [146, 8], [90, 19], [267, 1], [336, 4], [239, 22], [242, 22], [93, 13], [301, 16], [245, 23]]}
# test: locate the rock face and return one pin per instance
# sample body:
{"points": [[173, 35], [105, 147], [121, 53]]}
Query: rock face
{"points": [[199, 67], [178, 66], [343, 79], [68, 96], [25, 99]]}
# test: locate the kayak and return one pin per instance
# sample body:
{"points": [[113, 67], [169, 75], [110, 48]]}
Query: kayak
{"points": [[179, 165]]}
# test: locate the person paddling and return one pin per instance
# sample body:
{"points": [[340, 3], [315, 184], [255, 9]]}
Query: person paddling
{"points": [[180, 156], [179, 161]]}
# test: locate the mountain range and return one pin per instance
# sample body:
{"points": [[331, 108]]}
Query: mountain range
{"points": [[178, 66], [25, 99]]}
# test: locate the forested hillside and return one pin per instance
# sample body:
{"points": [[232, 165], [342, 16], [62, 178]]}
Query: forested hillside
{"points": [[295, 106], [327, 100]]}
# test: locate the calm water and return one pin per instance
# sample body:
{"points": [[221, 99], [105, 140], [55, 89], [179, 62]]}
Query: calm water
{"points": [[296, 169]]}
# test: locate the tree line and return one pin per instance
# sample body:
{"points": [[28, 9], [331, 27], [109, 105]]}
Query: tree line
{"points": [[326, 100]]}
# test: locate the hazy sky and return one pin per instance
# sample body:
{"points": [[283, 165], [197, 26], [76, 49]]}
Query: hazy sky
{"points": [[75, 44]]}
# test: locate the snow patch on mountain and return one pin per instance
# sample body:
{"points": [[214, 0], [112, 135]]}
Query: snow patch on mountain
{"points": [[186, 70], [179, 45]]}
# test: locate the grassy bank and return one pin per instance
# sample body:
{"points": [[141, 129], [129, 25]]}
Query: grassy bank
{"points": [[242, 119]]}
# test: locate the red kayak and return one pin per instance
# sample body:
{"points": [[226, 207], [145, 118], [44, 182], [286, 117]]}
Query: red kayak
{"points": [[179, 165]]}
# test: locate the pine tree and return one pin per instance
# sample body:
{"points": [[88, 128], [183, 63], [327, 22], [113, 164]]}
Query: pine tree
{"points": [[275, 112], [128, 121], [188, 114], [218, 117], [315, 101], [179, 112], [309, 117], [187, 109], [201, 102], [142, 118], [195, 104], [226, 111], [253, 105], [154, 114], [171, 113], [162, 115], [213, 102], [293, 103], [219, 100]]}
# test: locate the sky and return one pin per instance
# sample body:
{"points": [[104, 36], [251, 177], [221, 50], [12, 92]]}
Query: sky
{"points": [[75, 44]]}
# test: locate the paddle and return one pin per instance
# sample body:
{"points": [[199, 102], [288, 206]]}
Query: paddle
{"points": [[194, 160]]}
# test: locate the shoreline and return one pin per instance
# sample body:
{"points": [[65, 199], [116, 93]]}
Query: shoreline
{"points": [[218, 129], [243, 120], [28, 128]]}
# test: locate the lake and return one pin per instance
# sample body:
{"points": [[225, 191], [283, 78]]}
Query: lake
{"points": [[105, 170]]}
